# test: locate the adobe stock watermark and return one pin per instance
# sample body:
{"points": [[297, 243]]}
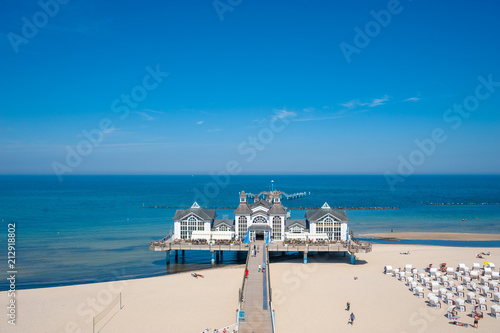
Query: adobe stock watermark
{"points": [[454, 118], [223, 6], [372, 29], [92, 306], [248, 149], [30, 27], [121, 106]]}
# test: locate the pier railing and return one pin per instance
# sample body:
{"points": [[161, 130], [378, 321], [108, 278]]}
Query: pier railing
{"points": [[269, 289], [170, 245]]}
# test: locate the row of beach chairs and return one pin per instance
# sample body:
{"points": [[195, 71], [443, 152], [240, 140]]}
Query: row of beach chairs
{"points": [[445, 284]]}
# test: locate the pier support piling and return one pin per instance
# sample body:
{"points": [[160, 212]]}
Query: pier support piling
{"points": [[217, 256], [345, 253], [352, 258], [168, 257], [176, 255]]}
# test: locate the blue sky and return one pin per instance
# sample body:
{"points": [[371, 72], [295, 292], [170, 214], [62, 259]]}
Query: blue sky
{"points": [[275, 72]]}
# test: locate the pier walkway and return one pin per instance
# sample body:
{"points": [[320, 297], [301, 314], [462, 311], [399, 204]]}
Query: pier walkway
{"points": [[256, 295]]}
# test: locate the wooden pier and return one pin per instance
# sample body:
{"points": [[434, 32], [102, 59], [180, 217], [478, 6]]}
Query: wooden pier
{"points": [[255, 310], [256, 294]]}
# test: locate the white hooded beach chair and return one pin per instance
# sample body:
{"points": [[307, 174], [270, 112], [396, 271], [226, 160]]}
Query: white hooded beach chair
{"points": [[442, 292], [471, 298], [445, 278], [474, 274], [495, 275], [433, 271], [427, 282], [409, 280], [408, 267], [460, 291], [492, 266], [450, 312], [466, 279], [434, 286], [460, 303], [486, 292], [413, 285], [488, 271], [496, 297], [449, 298], [419, 291], [421, 277], [461, 267], [388, 269], [495, 311], [475, 266], [458, 275], [482, 304], [485, 279], [435, 302], [451, 285], [449, 270], [493, 286]]}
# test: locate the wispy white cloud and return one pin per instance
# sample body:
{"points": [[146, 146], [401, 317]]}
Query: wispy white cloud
{"points": [[309, 109], [378, 101], [215, 130], [317, 118], [200, 122], [356, 103], [283, 113], [412, 99]]}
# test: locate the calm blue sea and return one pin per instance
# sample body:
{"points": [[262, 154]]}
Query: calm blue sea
{"points": [[94, 228]]}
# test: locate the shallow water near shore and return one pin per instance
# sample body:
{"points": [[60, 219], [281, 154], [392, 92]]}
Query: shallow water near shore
{"points": [[94, 228]]}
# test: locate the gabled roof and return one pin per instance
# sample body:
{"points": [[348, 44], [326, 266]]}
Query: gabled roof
{"points": [[195, 209], [263, 203], [243, 209], [315, 215], [276, 209], [219, 222], [291, 223]]}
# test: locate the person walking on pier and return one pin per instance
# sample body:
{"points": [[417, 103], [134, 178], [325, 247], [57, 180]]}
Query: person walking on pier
{"points": [[260, 268]]}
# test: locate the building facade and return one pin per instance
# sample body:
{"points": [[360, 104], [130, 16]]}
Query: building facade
{"points": [[264, 218]]}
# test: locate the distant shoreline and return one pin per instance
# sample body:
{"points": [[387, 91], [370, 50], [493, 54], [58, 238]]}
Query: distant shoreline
{"points": [[398, 236]]}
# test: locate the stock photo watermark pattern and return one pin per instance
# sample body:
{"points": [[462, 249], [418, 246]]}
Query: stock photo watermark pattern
{"points": [[247, 149], [31, 27], [454, 118], [373, 28], [121, 106]]}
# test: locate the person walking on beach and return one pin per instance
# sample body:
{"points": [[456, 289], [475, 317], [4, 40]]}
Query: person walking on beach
{"points": [[348, 306], [260, 268], [246, 273], [476, 320], [352, 316]]}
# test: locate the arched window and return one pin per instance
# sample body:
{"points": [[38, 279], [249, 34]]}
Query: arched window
{"points": [[325, 226], [277, 228], [242, 227], [259, 219]]}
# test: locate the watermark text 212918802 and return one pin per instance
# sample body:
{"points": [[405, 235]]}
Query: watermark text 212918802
{"points": [[11, 272]]}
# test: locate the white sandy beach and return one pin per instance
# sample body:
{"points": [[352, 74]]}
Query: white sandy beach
{"points": [[306, 298]]}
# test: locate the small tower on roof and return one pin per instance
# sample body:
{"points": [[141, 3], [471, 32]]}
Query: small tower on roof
{"points": [[243, 196]]}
